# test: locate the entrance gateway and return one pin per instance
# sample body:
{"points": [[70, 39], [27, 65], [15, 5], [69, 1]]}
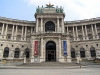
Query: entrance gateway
{"points": [[50, 36], [50, 51]]}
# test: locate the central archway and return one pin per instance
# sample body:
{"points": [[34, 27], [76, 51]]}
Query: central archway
{"points": [[50, 51]]}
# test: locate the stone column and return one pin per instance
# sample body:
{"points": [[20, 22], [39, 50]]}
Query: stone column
{"points": [[92, 32], [2, 32], [74, 33], [31, 30], [86, 33], [83, 33], [97, 37], [42, 53], [16, 32], [25, 33], [37, 22], [6, 31], [77, 34], [22, 33], [67, 30], [41, 24], [12, 36], [68, 51], [58, 25], [63, 29]]}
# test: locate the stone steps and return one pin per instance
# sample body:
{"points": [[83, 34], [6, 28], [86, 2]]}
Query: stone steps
{"points": [[50, 64]]}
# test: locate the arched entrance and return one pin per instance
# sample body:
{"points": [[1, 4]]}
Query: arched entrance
{"points": [[50, 51]]}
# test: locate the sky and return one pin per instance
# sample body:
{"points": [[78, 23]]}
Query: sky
{"points": [[73, 9]]}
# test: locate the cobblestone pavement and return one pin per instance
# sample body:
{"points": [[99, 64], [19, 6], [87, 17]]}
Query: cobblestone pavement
{"points": [[90, 70]]}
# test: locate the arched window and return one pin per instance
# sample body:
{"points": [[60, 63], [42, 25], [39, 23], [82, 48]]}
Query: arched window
{"points": [[92, 52], [73, 53], [82, 52], [49, 26], [6, 52], [17, 53], [27, 52]]}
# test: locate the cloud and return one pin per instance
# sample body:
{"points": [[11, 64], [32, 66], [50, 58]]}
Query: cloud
{"points": [[74, 9]]}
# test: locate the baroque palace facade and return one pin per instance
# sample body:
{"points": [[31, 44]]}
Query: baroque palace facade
{"points": [[49, 38]]}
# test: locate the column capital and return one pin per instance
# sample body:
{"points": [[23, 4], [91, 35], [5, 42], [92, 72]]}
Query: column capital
{"points": [[58, 17]]}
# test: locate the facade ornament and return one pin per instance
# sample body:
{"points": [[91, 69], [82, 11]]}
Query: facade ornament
{"points": [[49, 5]]}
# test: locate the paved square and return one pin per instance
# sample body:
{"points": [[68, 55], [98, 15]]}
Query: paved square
{"points": [[91, 70]]}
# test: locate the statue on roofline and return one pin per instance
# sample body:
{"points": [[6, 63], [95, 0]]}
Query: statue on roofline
{"points": [[39, 10], [49, 5]]}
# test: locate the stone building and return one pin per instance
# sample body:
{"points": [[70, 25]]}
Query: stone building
{"points": [[49, 38]]}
